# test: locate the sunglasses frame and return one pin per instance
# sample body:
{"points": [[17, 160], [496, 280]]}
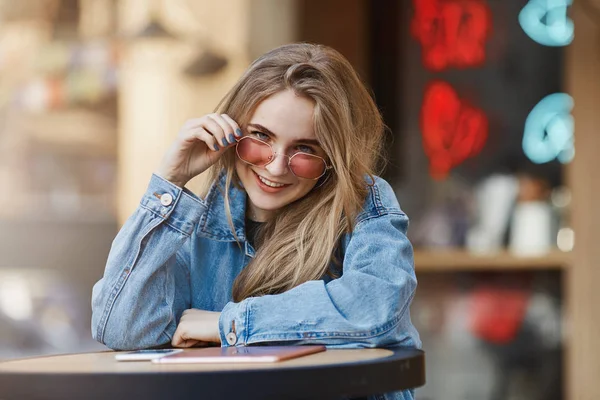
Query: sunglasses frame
{"points": [[274, 156]]}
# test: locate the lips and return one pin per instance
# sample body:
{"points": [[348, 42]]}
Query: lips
{"points": [[270, 183], [266, 188]]}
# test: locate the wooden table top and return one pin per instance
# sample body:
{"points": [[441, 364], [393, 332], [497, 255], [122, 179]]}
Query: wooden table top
{"points": [[104, 362], [328, 375]]}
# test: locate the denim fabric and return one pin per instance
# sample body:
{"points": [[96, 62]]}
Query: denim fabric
{"points": [[168, 258]]}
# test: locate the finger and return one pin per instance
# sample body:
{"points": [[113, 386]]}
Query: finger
{"points": [[204, 136], [212, 127], [225, 126], [193, 122], [180, 339], [189, 125], [200, 343], [177, 339], [236, 128], [189, 343]]}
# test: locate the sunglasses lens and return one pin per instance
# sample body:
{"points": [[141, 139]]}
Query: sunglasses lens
{"points": [[307, 166], [257, 153], [254, 151]]}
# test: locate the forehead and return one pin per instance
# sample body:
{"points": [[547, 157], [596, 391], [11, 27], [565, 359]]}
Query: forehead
{"points": [[287, 115]]}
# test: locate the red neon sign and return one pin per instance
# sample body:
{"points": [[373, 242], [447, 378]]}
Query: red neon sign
{"points": [[452, 130], [452, 33]]}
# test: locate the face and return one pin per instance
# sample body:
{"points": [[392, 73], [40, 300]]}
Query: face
{"points": [[285, 121]]}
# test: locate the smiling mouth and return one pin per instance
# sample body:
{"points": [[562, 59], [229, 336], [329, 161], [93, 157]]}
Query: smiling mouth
{"points": [[270, 183]]}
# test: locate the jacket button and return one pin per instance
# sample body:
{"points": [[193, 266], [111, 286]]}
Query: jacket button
{"points": [[231, 338], [166, 199]]}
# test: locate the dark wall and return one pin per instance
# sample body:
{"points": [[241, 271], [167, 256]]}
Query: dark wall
{"points": [[518, 73]]}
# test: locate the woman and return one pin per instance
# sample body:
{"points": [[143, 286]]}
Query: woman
{"points": [[294, 241]]}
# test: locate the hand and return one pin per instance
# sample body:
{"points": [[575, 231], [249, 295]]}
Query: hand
{"points": [[195, 327], [199, 144]]}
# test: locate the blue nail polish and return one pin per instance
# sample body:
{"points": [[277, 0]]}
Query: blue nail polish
{"points": [[216, 147], [225, 142], [231, 138], [238, 132]]}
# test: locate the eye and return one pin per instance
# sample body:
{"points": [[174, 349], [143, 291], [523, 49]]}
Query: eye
{"points": [[305, 149], [260, 135]]}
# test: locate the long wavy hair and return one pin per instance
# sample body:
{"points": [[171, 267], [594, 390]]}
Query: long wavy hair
{"points": [[301, 241]]}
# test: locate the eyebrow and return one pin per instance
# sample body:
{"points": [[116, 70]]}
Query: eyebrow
{"points": [[266, 130]]}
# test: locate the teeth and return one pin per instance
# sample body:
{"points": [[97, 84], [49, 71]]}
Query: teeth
{"points": [[269, 183]]}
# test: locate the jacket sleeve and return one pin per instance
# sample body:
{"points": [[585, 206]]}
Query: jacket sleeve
{"points": [[368, 306], [135, 304]]}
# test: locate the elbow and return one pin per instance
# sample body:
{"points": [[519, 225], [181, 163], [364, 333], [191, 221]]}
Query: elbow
{"points": [[399, 330], [395, 328], [126, 330], [395, 333], [98, 311], [403, 335], [117, 336]]}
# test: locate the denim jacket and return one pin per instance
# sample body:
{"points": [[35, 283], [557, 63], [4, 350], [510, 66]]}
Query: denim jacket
{"points": [[177, 252]]}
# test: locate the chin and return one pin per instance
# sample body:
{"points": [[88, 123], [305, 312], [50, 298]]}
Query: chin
{"points": [[265, 203]]}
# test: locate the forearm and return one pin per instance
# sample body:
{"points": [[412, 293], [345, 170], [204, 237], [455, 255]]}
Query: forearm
{"points": [[368, 306], [135, 302], [308, 314]]}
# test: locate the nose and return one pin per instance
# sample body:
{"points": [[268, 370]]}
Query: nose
{"points": [[279, 166]]}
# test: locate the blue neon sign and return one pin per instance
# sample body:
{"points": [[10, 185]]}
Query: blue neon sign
{"points": [[549, 130], [546, 22]]}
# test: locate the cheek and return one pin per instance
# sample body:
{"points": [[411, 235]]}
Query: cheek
{"points": [[305, 187], [241, 169]]}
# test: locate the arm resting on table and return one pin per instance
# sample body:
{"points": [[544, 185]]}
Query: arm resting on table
{"points": [[135, 304], [366, 307]]}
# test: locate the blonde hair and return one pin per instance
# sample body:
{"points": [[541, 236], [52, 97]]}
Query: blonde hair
{"points": [[301, 241]]}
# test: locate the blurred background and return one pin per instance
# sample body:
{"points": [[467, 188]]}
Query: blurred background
{"points": [[481, 98]]}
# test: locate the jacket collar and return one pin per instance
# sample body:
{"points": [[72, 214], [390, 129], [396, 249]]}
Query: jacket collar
{"points": [[215, 224]]}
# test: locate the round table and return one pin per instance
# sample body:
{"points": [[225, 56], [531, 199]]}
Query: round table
{"points": [[332, 374]]}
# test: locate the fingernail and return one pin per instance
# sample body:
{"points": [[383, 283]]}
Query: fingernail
{"points": [[238, 132], [225, 142], [216, 147], [231, 138]]}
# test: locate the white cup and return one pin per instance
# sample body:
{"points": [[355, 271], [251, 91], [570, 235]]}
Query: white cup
{"points": [[531, 229]]}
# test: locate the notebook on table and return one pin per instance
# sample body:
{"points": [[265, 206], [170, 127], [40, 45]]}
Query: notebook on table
{"points": [[251, 354]]}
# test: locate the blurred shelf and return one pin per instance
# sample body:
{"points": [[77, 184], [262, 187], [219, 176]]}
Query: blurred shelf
{"points": [[461, 260]]}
